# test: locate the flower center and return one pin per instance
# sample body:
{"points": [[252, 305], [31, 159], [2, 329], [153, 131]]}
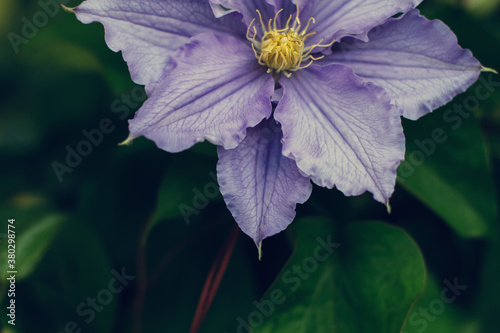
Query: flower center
{"points": [[283, 50]]}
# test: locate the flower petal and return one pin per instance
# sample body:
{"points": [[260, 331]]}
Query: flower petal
{"points": [[340, 131], [247, 8], [206, 94], [148, 32], [289, 8], [417, 61], [219, 10], [339, 18], [261, 187]]}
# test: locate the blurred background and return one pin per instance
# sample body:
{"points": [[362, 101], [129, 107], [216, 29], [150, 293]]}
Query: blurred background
{"points": [[122, 239]]}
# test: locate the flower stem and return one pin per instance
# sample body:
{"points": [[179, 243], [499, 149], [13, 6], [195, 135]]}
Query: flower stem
{"points": [[214, 279]]}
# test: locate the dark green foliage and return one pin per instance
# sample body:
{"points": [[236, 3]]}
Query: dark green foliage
{"points": [[137, 229]]}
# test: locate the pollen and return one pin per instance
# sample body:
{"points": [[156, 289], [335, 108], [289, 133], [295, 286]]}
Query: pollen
{"points": [[283, 50]]}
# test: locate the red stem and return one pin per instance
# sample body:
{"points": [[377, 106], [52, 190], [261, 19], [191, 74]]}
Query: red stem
{"points": [[214, 279]]}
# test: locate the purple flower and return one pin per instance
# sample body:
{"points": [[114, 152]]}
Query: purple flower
{"points": [[289, 91]]}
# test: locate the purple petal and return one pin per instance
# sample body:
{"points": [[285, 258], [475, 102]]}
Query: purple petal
{"points": [[339, 18], [340, 131], [218, 10], [289, 8], [289, 5], [261, 187], [214, 90], [247, 8], [417, 61], [148, 32]]}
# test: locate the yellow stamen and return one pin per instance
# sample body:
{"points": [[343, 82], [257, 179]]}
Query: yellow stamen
{"points": [[261, 22], [297, 19], [248, 30], [287, 26], [307, 26], [283, 50], [276, 18]]}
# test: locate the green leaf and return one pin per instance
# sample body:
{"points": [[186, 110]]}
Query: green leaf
{"points": [[365, 283], [74, 272], [59, 54], [482, 7], [446, 167], [31, 243], [184, 196], [437, 311]]}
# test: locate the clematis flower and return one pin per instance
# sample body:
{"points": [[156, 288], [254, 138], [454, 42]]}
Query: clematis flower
{"points": [[290, 91]]}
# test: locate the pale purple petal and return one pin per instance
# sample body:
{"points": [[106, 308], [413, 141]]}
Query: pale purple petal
{"points": [[218, 10], [206, 95], [417, 61], [248, 8], [261, 187], [339, 18], [148, 32], [340, 131]]}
